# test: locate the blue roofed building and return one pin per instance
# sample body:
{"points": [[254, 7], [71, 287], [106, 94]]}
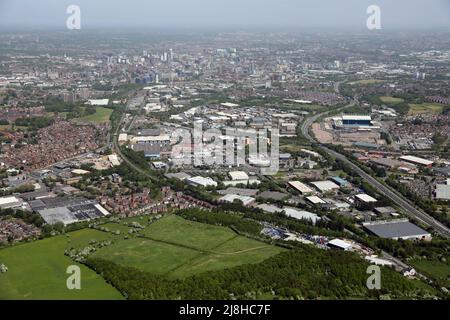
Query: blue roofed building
{"points": [[340, 182]]}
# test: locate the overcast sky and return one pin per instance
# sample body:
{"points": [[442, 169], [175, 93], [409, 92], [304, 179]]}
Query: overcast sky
{"points": [[395, 14]]}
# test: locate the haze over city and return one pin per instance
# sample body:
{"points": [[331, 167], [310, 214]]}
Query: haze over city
{"points": [[216, 14]]}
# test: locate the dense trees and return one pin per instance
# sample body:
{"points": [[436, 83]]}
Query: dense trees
{"points": [[234, 221], [28, 217], [301, 273], [34, 123]]}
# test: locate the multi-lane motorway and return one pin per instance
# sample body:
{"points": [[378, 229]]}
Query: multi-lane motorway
{"points": [[397, 198]]}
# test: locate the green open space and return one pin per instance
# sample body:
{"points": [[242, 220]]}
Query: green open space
{"points": [[171, 246], [101, 115], [146, 255], [176, 230], [234, 252], [85, 237], [435, 269], [391, 100], [37, 271], [9, 127], [291, 148], [179, 248], [366, 81], [433, 108], [117, 227]]}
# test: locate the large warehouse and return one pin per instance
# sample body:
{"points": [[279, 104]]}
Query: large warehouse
{"points": [[300, 187], [10, 203], [356, 120], [417, 161], [68, 210], [325, 186], [397, 229]]}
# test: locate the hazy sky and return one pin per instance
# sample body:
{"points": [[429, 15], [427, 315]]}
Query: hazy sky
{"points": [[162, 14]]}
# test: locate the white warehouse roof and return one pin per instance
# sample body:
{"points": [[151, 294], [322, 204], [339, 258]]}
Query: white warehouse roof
{"points": [[340, 244], [301, 215], [301, 187], [443, 191], [151, 138], [98, 102], [238, 175], [231, 197], [366, 198], [201, 181], [355, 117], [325, 185], [418, 160], [10, 202], [315, 200]]}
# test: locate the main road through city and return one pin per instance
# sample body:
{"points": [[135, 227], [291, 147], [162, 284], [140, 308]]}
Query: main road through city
{"points": [[402, 202]]}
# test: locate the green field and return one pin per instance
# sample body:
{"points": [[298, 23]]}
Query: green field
{"points": [[101, 115], [170, 246], [176, 230], [9, 127], [292, 148], [117, 227], [234, 252], [434, 269], [37, 271], [433, 108], [391, 100], [367, 81], [178, 248], [82, 238]]}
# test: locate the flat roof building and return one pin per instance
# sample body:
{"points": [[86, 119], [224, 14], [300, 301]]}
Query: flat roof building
{"points": [[273, 195], [238, 175], [201, 182], [179, 176], [365, 198], [315, 200], [98, 102], [301, 214], [356, 120], [246, 201], [385, 210], [340, 244], [325, 186], [341, 182], [10, 203], [417, 160], [68, 210], [300, 187], [290, 212], [239, 191], [443, 191], [397, 229]]}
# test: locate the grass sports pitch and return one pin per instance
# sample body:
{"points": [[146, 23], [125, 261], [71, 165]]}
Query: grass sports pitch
{"points": [[171, 246], [178, 248]]}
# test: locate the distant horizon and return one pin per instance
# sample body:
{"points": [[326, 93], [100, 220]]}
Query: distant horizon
{"points": [[226, 14], [253, 29]]}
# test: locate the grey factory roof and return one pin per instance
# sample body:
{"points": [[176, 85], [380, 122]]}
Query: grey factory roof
{"points": [[239, 191], [273, 195], [68, 210], [395, 229], [443, 171], [180, 176]]}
